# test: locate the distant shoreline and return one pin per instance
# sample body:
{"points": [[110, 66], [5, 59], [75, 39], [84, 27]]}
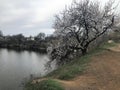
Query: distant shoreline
{"points": [[40, 50]]}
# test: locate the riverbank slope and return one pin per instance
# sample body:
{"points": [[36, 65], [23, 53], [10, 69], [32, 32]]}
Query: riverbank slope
{"points": [[101, 71]]}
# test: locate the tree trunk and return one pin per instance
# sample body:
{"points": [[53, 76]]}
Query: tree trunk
{"points": [[84, 51]]}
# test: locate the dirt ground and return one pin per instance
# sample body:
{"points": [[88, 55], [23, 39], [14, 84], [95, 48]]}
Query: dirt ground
{"points": [[103, 73]]}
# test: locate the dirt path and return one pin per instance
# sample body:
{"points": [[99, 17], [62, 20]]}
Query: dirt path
{"points": [[103, 73]]}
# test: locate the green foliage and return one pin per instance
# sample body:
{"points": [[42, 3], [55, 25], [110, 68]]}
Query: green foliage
{"points": [[45, 85]]}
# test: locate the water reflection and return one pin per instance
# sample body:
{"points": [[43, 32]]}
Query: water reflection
{"points": [[18, 65]]}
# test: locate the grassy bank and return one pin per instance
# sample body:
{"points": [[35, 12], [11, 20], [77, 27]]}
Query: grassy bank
{"points": [[69, 71], [73, 68], [78, 65], [48, 84]]}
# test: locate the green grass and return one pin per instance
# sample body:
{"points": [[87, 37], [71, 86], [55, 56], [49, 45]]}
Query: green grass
{"points": [[44, 85], [108, 45], [73, 68], [68, 71], [78, 65]]}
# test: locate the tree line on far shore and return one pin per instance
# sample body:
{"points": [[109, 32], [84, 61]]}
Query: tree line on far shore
{"points": [[39, 42]]}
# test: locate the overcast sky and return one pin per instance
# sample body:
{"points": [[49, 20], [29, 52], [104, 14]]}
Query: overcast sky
{"points": [[30, 17]]}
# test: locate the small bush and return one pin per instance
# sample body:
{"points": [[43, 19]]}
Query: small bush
{"points": [[45, 85]]}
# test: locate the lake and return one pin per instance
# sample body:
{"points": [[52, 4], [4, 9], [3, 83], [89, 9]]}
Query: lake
{"points": [[18, 66]]}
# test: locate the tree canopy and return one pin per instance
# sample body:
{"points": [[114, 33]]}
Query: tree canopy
{"points": [[81, 24]]}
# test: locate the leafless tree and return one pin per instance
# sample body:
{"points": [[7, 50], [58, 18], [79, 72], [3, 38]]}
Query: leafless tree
{"points": [[78, 26], [83, 22]]}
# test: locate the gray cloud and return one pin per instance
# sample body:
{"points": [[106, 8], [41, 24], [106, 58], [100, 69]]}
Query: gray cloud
{"points": [[29, 16]]}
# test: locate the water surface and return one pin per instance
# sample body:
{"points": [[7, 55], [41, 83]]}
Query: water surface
{"points": [[17, 66]]}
